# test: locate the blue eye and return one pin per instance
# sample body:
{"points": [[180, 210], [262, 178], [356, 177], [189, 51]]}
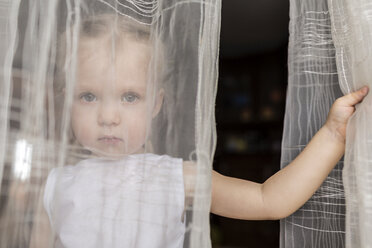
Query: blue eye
{"points": [[129, 97], [88, 97]]}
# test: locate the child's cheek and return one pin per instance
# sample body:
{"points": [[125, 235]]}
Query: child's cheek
{"points": [[137, 126], [82, 122]]}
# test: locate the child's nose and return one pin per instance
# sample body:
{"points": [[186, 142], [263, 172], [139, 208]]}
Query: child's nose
{"points": [[109, 115]]}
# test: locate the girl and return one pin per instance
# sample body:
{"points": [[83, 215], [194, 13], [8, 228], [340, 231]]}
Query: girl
{"points": [[128, 197]]}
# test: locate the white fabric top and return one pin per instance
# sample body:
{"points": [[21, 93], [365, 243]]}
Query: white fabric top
{"points": [[137, 201]]}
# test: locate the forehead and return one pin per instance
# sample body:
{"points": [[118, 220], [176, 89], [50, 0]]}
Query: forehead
{"points": [[101, 62]]}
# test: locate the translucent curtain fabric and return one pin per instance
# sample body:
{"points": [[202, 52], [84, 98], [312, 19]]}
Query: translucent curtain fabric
{"points": [[329, 55], [107, 122], [352, 34], [313, 85]]}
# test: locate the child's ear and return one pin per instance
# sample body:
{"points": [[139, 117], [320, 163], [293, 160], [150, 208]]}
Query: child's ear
{"points": [[158, 103]]}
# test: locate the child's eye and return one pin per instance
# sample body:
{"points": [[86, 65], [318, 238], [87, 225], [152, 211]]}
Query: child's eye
{"points": [[88, 97], [129, 97]]}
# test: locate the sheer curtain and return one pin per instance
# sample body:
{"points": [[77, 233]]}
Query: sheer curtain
{"points": [[313, 85], [107, 122], [329, 55], [352, 36]]}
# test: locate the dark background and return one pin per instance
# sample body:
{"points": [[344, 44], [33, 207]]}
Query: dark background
{"points": [[250, 108]]}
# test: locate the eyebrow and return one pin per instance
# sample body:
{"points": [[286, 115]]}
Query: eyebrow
{"points": [[120, 88]]}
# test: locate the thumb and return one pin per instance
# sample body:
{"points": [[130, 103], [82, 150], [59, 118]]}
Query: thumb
{"points": [[355, 97]]}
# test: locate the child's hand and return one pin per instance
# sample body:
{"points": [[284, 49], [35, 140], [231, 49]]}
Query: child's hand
{"points": [[341, 111]]}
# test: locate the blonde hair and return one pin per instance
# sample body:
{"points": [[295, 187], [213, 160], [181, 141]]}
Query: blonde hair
{"points": [[117, 28]]}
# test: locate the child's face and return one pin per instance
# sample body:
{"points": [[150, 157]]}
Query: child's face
{"points": [[112, 108]]}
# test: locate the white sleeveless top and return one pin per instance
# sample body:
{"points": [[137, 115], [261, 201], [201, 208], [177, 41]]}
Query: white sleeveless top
{"points": [[137, 201]]}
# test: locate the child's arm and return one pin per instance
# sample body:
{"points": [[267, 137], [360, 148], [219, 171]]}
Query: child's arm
{"points": [[291, 187], [41, 235]]}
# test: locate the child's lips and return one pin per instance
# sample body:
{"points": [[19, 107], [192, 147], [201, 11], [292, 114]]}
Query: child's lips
{"points": [[111, 140]]}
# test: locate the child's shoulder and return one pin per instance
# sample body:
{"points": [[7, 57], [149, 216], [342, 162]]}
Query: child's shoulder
{"points": [[189, 168], [189, 176]]}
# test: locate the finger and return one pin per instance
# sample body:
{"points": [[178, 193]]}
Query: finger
{"points": [[355, 97]]}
